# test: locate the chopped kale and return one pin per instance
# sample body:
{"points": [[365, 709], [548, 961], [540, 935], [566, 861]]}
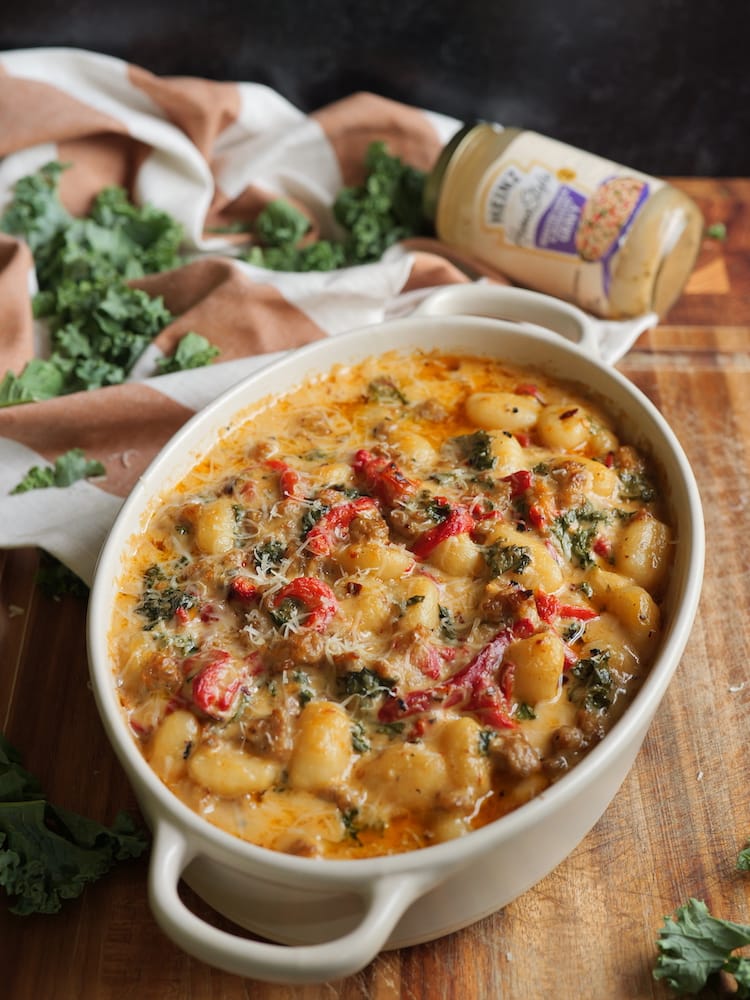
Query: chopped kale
{"points": [[280, 224], [385, 390], [592, 684], [269, 553], [447, 623], [312, 515], [576, 530], [365, 683], [507, 558], [476, 450], [694, 945], [636, 486], [349, 819], [360, 743], [161, 598]]}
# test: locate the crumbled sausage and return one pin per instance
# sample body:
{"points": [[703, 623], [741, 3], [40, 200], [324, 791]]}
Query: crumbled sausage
{"points": [[299, 648], [430, 409], [502, 602], [511, 753], [369, 526], [162, 672], [568, 743], [270, 736], [573, 484]]}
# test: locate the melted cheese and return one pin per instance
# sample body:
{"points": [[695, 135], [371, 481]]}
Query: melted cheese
{"points": [[362, 542]]}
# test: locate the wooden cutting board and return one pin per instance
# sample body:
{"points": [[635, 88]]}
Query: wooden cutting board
{"points": [[588, 929]]}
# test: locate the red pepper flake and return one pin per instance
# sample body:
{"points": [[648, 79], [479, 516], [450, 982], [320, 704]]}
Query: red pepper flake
{"points": [[383, 477], [609, 461], [458, 522], [528, 389], [523, 439], [353, 588], [182, 616], [537, 517], [603, 547], [208, 613], [567, 414]]}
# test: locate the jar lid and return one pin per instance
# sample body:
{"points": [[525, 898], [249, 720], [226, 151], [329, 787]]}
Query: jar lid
{"points": [[434, 180]]}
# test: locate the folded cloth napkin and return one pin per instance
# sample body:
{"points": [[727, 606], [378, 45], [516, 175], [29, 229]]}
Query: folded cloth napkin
{"points": [[210, 154]]}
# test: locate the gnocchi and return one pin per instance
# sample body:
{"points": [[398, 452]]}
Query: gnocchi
{"points": [[380, 611]]}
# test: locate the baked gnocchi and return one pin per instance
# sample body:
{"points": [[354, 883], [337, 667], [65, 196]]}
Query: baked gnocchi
{"points": [[391, 605]]}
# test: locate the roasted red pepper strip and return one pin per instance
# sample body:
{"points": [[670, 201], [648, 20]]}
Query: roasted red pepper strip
{"points": [[383, 477], [458, 522], [288, 477], [475, 686], [243, 590], [548, 607], [519, 482], [315, 596], [216, 685], [335, 524]]}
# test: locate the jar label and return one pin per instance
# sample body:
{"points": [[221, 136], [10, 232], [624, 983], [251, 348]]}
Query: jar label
{"points": [[572, 209]]}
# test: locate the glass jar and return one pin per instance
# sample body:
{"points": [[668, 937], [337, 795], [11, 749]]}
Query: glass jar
{"points": [[613, 241]]}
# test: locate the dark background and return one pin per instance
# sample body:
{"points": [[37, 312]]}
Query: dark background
{"points": [[660, 85]]}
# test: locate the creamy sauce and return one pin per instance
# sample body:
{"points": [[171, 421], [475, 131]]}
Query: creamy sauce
{"points": [[391, 605]]}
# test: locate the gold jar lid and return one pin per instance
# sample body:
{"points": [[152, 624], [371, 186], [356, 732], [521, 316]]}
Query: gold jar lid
{"points": [[434, 180]]}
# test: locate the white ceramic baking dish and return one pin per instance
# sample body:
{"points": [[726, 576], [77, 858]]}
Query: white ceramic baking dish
{"points": [[323, 920]]}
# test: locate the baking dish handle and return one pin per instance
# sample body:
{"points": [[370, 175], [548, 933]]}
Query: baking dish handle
{"points": [[606, 340], [386, 901]]}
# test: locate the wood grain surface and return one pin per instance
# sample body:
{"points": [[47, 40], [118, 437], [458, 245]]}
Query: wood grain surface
{"points": [[589, 928]]}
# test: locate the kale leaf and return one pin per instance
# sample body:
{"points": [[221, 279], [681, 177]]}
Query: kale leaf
{"points": [[280, 224], [68, 468], [507, 558], [592, 684], [193, 351], [99, 324], [385, 208], [40, 379], [48, 854], [476, 449], [694, 944]]}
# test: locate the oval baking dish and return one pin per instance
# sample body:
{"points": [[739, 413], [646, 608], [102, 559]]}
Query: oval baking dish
{"points": [[329, 918]]}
